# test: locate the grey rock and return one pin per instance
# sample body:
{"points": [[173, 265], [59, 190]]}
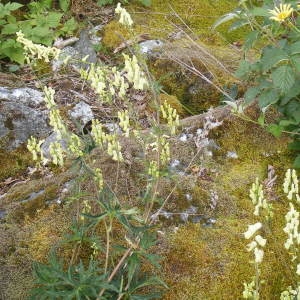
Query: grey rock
{"points": [[93, 34], [20, 118], [53, 137], [82, 113], [82, 48], [148, 47], [85, 47], [27, 96]]}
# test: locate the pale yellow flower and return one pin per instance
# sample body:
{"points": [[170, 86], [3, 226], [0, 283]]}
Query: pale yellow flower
{"points": [[279, 14]]}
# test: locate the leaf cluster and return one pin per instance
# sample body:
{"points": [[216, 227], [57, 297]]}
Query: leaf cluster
{"points": [[86, 280], [274, 78]]}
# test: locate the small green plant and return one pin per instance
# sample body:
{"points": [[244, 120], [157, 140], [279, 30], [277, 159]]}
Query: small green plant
{"points": [[274, 74]]}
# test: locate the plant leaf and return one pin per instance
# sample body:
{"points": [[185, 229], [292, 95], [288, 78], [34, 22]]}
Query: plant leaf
{"points": [[272, 57], [268, 97], [296, 164], [283, 78]]}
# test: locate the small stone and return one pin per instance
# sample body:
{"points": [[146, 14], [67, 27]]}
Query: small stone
{"points": [[147, 47], [232, 154], [82, 113], [183, 138]]}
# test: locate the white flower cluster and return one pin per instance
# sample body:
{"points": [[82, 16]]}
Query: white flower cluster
{"points": [[257, 242], [249, 291], [99, 179], [57, 153], [109, 82], [290, 185], [291, 227], [54, 114], [290, 294], [153, 170], [162, 146], [97, 76], [124, 121], [170, 114], [109, 141], [34, 147], [75, 145], [257, 197], [56, 150], [134, 73], [36, 51], [125, 17]]}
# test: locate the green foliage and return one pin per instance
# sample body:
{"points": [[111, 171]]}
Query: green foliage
{"points": [[275, 76], [76, 282], [40, 25]]}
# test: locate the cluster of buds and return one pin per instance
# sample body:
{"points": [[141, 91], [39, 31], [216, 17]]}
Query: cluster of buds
{"points": [[124, 121], [86, 209], [34, 147], [99, 178], [109, 141], [171, 116], [125, 17], [153, 170], [134, 73], [57, 153], [257, 196], [162, 146], [290, 185], [36, 51], [291, 227], [257, 243], [75, 145]]}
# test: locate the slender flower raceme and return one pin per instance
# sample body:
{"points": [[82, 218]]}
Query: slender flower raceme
{"points": [[290, 185], [170, 114], [125, 17], [36, 51], [281, 13]]}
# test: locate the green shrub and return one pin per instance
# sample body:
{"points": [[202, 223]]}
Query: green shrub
{"points": [[273, 76]]}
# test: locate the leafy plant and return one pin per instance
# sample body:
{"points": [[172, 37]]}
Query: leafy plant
{"points": [[39, 25], [275, 76], [124, 266]]}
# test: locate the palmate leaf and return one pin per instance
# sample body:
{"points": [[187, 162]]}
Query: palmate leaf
{"points": [[64, 4], [296, 164], [251, 94], [283, 78], [268, 97], [251, 39], [272, 57]]}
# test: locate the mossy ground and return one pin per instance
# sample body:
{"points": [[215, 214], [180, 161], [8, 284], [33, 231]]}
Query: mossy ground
{"points": [[212, 262], [198, 262]]}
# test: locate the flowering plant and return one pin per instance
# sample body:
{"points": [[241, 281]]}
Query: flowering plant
{"points": [[273, 78]]}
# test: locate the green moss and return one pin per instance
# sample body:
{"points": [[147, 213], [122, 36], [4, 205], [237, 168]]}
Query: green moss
{"points": [[14, 163], [114, 34], [199, 16]]}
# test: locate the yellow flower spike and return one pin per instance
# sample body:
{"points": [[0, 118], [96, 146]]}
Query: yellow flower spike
{"points": [[279, 14]]}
